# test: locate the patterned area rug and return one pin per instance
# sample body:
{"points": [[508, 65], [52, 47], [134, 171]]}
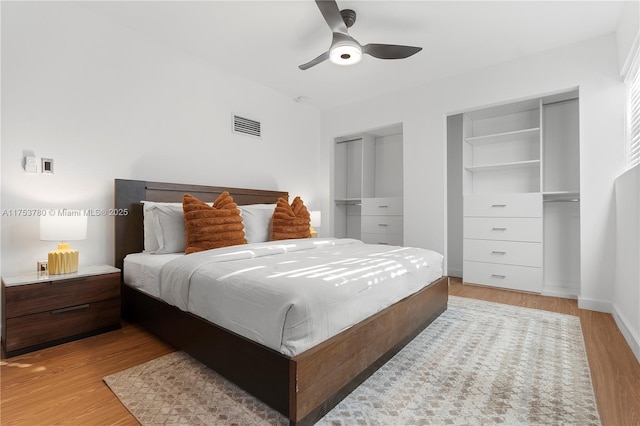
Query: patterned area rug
{"points": [[478, 363]]}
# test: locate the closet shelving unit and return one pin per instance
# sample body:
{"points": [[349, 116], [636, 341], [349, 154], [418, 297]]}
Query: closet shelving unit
{"points": [[368, 186], [521, 195]]}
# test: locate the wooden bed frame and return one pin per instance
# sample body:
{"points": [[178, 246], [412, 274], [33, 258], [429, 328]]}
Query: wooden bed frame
{"points": [[303, 387]]}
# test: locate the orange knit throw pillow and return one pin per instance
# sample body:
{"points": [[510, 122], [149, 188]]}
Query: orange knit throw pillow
{"points": [[290, 221], [212, 227]]}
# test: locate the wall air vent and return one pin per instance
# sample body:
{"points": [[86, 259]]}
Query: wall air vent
{"points": [[246, 126]]}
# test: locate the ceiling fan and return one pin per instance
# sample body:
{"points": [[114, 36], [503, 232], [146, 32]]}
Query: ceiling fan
{"points": [[344, 49]]}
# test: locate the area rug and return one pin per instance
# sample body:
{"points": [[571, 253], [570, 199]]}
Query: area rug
{"points": [[478, 363]]}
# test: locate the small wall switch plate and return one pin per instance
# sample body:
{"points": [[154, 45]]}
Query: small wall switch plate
{"points": [[30, 165], [47, 165]]}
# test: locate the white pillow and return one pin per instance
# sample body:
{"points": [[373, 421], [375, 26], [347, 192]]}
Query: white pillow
{"points": [[150, 239], [164, 230], [256, 219]]}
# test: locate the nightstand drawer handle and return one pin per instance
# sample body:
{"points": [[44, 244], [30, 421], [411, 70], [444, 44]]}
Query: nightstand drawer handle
{"points": [[498, 229], [498, 205], [498, 276], [383, 224], [498, 252], [71, 308]]}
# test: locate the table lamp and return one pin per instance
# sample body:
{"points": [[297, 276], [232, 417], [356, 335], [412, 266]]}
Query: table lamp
{"points": [[65, 225], [316, 220]]}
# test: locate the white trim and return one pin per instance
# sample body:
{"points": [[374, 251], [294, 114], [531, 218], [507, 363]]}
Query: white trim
{"points": [[594, 305], [632, 340], [559, 291]]}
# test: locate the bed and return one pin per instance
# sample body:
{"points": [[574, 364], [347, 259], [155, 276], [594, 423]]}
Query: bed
{"points": [[304, 383]]}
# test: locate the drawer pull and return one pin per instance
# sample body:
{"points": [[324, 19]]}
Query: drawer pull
{"points": [[498, 205], [382, 224], [498, 252], [498, 229], [383, 207], [499, 276], [384, 244], [71, 308]]}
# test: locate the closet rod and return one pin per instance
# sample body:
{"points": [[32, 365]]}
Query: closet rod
{"points": [[560, 102], [568, 200], [349, 140]]}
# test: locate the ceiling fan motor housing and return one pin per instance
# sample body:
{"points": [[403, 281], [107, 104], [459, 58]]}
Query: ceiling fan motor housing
{"points": [[348, 16]]}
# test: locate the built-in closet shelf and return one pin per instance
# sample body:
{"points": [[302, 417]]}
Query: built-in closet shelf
{"points": [[561, 196], [504, 137], [504, 166], [348, 201]]}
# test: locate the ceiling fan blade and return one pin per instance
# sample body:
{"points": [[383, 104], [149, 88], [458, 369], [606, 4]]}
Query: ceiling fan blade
{"points": [[316, 61], [331, 14], [390, 51]]}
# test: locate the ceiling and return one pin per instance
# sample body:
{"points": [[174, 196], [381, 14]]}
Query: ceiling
{"points": [[266, 40]]}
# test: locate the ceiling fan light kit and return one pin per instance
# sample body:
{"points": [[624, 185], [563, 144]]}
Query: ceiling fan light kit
{"points": [[345, 50], [345, 53]]}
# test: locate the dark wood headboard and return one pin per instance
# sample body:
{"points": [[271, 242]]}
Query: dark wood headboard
{"points": [[129, 194]]}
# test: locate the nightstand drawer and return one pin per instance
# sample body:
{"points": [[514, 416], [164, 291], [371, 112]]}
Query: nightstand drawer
{"points": [[35, 329], [49, 295]]}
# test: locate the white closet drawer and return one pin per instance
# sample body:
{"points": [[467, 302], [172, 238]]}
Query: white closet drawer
{"points": [[382, 224], [382, 206], [521, 278], [503, 228], [506, 252], [503, 205], [389, 239]]}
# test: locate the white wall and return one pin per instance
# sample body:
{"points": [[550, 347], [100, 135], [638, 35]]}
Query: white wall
{"points": [[626, 298], [592, 66], [105, 102]]}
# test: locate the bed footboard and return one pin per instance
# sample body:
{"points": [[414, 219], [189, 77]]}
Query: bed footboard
{"points": [[328, 372]]}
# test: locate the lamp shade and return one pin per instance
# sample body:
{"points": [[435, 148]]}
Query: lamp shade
{"points": [[316, 218], [65, 225]]}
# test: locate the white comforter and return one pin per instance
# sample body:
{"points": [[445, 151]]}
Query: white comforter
{"points": [[290, 295]]}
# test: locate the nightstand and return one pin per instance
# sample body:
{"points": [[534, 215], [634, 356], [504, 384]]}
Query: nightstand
{"points": [[41, 311]]}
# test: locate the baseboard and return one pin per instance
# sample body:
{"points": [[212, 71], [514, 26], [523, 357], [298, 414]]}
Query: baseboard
{"points": [[559, 291], [454, 273], [594, 305], [632, 340]]}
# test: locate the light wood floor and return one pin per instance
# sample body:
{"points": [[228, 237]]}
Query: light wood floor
{"points": [[63, 385]]}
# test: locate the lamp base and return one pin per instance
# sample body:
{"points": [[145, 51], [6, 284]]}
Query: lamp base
{"points": [[63, 261]]}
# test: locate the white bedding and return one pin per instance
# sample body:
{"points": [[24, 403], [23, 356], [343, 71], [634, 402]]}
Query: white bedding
{"points": [[290, 295], [142, 270]]}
